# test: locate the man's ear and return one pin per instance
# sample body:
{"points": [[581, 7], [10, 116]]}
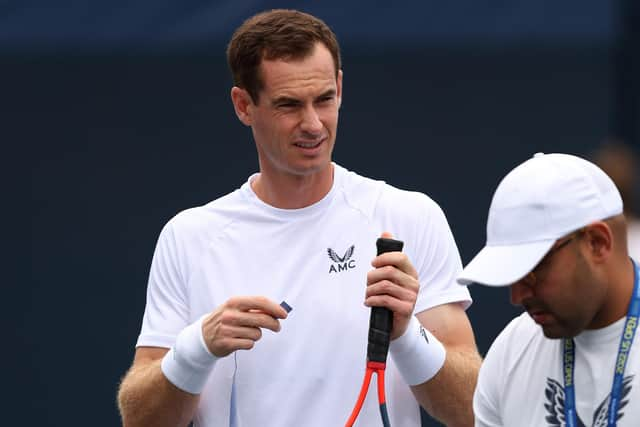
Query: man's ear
{"points": [[243, 104], [339, 88], [599, 238]]}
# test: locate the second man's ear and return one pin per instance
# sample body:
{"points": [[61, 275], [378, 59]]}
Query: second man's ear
{"points": [[600, 239]]}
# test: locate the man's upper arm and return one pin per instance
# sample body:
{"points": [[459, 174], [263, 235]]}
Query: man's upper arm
{"points": [[450, 324], [167, 309]]}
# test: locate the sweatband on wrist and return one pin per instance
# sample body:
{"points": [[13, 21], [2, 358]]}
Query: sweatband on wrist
{"points": [[417, 353], [188, 363]]}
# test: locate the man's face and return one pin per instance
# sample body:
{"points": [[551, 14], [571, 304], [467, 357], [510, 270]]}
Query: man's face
{"points": [[562, 295], [295, 120]]}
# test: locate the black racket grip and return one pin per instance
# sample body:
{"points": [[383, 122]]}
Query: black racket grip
{"points": [[381, 320]]}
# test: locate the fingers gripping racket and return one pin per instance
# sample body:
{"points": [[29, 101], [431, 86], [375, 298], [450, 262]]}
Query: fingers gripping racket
{"points": [[380, 324]]}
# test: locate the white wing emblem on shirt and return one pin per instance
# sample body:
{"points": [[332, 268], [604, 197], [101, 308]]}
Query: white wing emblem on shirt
{"points": [[554, 393], [335, 258]]}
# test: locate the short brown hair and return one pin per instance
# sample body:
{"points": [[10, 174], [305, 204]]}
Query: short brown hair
{"points": [[275, 34]]}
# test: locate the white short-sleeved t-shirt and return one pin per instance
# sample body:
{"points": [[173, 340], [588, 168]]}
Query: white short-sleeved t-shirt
{"points": [[316, 259], [521, 381]]}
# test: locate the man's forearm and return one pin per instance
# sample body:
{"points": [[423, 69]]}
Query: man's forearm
{"points": [[147, 398], [448, 396]]}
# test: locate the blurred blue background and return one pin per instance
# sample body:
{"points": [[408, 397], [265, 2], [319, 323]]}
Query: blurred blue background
{"points": [[121, 110]]}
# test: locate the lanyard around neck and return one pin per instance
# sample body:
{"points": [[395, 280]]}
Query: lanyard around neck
{"points": [[568, 362]]}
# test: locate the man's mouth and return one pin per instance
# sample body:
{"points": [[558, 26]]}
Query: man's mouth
{"points": [[309, 144], [539, 316]]}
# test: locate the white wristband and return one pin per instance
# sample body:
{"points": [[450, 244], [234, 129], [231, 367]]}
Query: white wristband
{"points": [[417, 353], [188, 363]]}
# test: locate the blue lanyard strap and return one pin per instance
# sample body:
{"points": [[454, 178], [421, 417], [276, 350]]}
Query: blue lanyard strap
{"points": [[568, 361]]}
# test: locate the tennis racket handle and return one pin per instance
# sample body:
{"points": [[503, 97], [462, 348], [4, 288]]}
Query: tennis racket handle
{"points": [[381, 320]]}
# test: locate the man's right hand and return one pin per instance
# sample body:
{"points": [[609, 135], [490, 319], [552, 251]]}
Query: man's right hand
{"points": [[237, 324]]}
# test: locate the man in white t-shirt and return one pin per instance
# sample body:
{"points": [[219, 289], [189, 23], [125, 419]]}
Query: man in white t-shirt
{"points": [[556, 234], [303, 230]]}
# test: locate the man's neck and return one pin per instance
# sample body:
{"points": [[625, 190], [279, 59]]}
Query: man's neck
{"points": [[289, 191], [619, 294]]}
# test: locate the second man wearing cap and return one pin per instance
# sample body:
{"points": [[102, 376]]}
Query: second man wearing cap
{"points": [[557, 236]]}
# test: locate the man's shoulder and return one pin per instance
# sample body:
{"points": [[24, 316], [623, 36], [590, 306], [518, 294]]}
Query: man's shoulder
{"points": [[214, 213], [382, 194], [518, 335], [521, 327]]}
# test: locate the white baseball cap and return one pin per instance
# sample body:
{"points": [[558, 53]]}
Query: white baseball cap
{"points": [[541, 200]]}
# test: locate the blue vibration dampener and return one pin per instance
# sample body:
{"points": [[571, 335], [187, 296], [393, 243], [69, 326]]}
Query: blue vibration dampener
{"points": [[286, 306]]}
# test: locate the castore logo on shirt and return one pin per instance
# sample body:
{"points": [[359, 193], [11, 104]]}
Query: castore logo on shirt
{"points": [[341, 263]]}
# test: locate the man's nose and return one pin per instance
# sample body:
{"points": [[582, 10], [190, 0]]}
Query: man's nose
{"points": [[311, 120], [522, 289]]}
